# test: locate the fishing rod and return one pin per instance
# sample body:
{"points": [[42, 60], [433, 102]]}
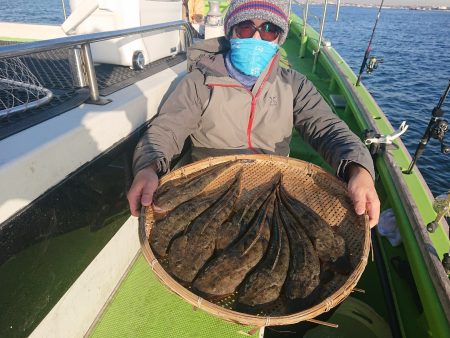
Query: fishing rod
{"points": [[338, 7], [366, 54], [437, 127], [64, 9], [289, 11]]}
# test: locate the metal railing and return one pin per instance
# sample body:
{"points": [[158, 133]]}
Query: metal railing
{"points": [[316, 52], [82, 42]]}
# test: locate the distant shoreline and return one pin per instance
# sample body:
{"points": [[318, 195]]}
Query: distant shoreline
{"points": [[412, 8]]}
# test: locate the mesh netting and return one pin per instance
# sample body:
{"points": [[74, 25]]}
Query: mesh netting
{"points": [[19, 88]]}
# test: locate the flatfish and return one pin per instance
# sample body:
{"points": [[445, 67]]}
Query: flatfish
{"points": [[263, 285], [223, 274], [329, 245], [229, 231], [304, 266], [176, 221], [189, 252], [177, 191]]}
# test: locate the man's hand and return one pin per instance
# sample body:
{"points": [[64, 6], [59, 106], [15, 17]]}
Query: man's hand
{"points": [[363, 194], [141, 192]]}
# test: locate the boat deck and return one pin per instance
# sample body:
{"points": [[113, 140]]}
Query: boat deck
{"points": [[143, 307]]}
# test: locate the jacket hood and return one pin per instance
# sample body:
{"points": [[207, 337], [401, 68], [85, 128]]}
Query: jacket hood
{"points": [[208, 56]]}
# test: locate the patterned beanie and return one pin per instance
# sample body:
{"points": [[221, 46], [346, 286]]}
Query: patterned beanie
{"points": [[274, 11]]}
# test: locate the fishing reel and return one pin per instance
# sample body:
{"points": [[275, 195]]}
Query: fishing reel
{"points": [[372, 64], [438, 131], [437, 127]]}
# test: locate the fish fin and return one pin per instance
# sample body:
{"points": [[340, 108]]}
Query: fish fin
{"points": [[264, 216], [277, 223]]}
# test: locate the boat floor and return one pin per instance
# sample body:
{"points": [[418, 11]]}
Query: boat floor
{"points": [[53, 69], [143, 307]]}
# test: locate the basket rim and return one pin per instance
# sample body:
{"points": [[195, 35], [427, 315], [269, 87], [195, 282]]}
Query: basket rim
{"points": [[239, 317]]}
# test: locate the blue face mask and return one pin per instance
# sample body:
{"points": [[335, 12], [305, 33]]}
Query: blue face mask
{"points": [[251, 56]]}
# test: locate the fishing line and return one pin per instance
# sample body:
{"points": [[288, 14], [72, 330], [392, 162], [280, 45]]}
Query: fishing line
{"points": [[366, 55]]}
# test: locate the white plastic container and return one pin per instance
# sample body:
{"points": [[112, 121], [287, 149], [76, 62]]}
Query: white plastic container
{"points": [[387, 227], [121, 14]]}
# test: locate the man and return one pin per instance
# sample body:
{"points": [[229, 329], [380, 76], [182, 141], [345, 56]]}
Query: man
{"points": [[236, 99], [193, 10]]}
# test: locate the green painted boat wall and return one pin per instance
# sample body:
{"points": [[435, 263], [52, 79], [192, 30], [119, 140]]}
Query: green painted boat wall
{"points": [[33, 281], [328, 80]]}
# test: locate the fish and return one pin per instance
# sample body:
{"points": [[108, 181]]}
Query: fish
{"points": [[304, 267], [176, 221], [229, 231], [189, 252], [329, 245], [264, 284], [177, 191], [223, 274]]}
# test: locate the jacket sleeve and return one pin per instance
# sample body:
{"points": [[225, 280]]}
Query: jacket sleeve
{"points": [[178, 117], [324, 131]]}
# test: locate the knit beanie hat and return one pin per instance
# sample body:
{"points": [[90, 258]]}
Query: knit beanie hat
{"points": [[274, 11]]}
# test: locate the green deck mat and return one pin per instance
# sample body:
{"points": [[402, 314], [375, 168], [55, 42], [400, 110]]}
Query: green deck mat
{"points": [[143, 307]]}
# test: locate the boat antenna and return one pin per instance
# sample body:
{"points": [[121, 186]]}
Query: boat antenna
{"points": [[437, 127], [366, 54]]}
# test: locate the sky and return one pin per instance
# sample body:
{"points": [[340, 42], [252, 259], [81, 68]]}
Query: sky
{"points": [[402, 2]]}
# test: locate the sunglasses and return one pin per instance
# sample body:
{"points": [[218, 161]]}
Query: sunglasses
{"points": [[247, 29]]}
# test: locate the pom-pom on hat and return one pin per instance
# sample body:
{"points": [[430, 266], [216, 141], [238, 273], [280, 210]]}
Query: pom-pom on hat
{"points": [[274, 11]]}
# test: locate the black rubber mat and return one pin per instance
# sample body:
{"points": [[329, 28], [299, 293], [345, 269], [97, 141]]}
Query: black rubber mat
{"points": [[53, 69], [112, 78], [61, 102]]}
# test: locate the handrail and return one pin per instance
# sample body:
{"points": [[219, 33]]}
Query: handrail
{"points": [[75, 40], [319, 44], [86, 66]]}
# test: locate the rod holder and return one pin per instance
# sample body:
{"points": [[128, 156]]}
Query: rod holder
{"points": [[94, 95], [442, 208], [304, 37], [319, 43], [77, 67]]}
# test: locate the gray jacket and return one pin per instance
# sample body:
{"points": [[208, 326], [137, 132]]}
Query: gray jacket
{"points": [[222, 117]]}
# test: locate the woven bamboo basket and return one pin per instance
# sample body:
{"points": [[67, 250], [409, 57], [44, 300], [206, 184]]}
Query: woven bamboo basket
{"points": [[322, 192]]}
